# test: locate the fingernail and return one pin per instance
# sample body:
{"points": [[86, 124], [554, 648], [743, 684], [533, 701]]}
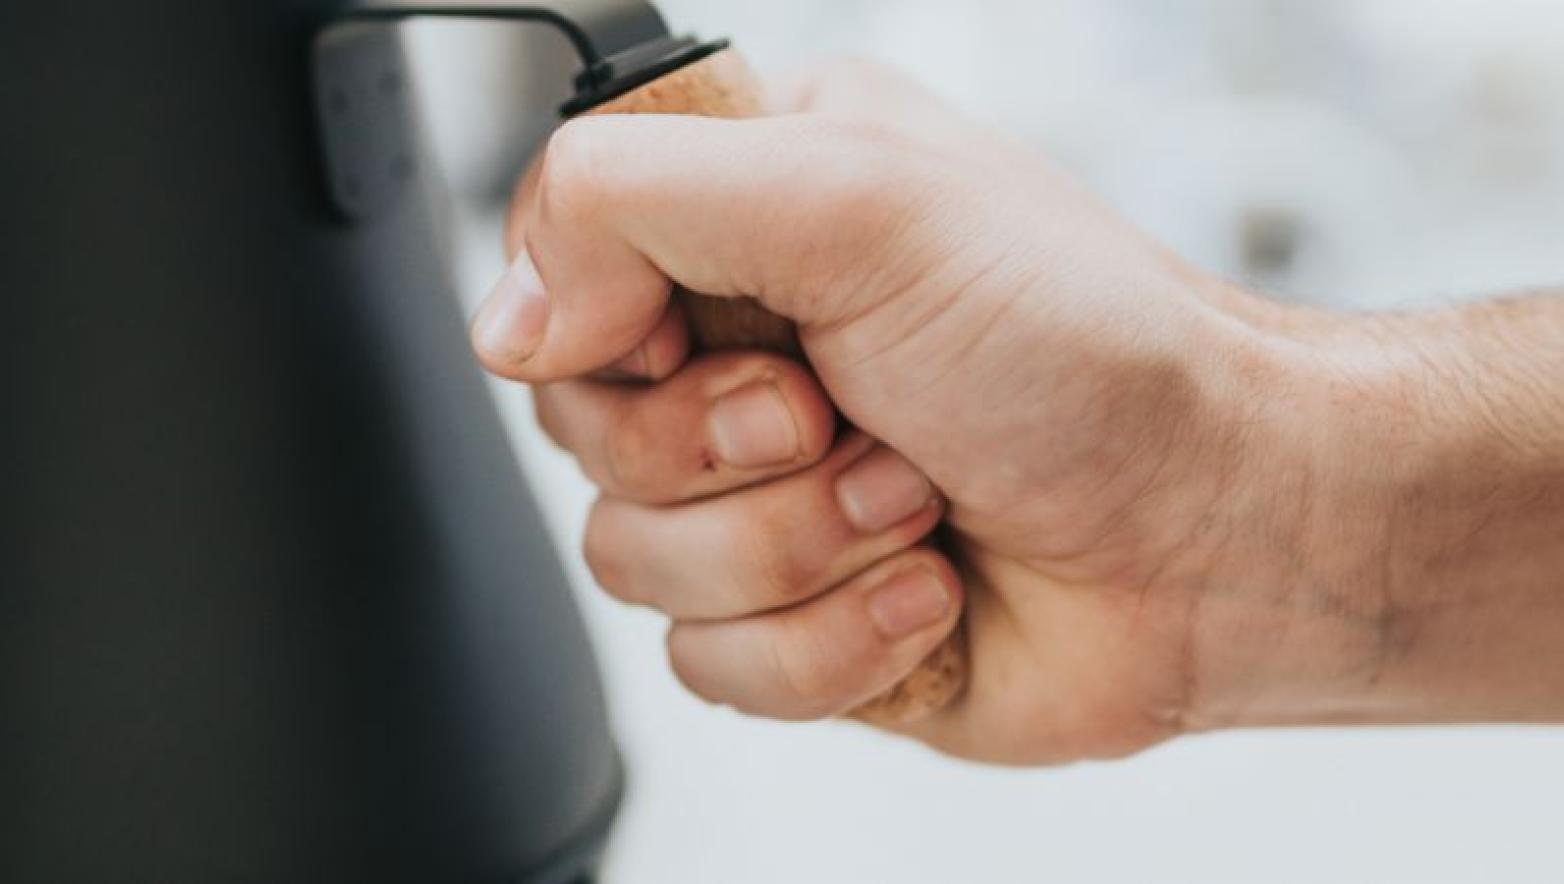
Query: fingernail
{"points": [[752, 427], [881, 491], [512, 321], [911, 601]]}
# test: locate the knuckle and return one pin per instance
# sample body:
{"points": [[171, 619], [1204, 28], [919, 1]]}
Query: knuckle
{"points": [[545, 410], [804, 672], [868, 144], [683, 660], [784, 570], [624, 457], [602, 556], [569, 183], [879, 177], [521, 202], [779, 579]]}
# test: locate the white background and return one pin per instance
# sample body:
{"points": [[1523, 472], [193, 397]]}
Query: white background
{"points": [[1415, 150]]}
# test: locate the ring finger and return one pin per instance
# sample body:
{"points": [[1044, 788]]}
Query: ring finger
{"points": [[767, 547]]}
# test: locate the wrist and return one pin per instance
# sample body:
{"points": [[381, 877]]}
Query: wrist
{"points": [[1387, 536], [1290, 614]]}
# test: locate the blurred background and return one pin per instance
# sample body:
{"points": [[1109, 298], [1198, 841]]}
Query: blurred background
{"points": [[1361, 154]]}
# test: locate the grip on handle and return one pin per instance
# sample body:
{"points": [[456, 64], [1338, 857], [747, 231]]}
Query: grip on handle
{"points": [[723, 86]]}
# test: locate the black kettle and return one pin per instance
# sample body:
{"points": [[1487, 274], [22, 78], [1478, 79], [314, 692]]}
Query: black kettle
{"points": [[275, 602]]}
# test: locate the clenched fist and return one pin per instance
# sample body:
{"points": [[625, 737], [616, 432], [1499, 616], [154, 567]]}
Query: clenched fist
{"points": [[1163, 504]]}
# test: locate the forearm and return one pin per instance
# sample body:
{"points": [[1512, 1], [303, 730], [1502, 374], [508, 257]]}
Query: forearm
{"points": [[1416, 523]]}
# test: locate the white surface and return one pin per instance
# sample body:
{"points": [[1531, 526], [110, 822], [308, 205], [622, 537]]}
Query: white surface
{"points": [[1419, 146]]}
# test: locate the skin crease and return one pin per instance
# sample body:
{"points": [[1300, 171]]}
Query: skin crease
{"points": [[1167, 505]]}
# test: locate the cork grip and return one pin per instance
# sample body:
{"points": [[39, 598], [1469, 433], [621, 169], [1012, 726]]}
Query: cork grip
{"points": [[723, 86]]}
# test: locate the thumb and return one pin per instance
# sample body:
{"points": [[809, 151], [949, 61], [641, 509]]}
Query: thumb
{"points": [[529, 330], [808, 215]]}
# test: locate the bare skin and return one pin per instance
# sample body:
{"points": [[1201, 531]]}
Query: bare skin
{"points": [[1167, 505]]}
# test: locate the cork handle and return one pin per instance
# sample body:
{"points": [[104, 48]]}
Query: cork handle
{"points": [[723, 86]]}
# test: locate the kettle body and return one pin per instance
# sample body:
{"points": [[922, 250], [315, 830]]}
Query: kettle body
{"points": [[276, 604]]}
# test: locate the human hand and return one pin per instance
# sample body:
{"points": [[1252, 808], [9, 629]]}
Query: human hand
{"points": [[1143, 473]]}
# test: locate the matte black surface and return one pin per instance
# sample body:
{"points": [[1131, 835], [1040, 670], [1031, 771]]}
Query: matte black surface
{"points": [[274, 603], [598, 28]]}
